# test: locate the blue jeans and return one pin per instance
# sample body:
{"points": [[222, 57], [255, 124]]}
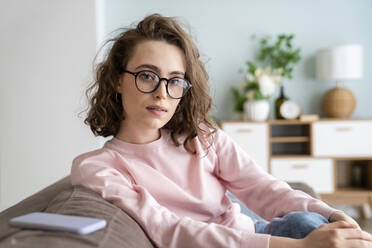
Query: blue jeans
{"points": [[295, 225]]}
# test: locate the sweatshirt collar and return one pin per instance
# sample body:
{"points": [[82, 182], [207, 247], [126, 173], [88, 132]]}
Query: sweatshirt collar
{"points": [[127, 147]]}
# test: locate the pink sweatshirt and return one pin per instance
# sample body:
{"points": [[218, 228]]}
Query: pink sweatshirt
{"points": [[180, 200]]}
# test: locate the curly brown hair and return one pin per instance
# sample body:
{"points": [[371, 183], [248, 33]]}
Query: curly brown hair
{"points": [[106, 111]]}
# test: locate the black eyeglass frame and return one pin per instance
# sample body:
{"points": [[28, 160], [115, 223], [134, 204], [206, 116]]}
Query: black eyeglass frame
{"points": [[135, 74]]}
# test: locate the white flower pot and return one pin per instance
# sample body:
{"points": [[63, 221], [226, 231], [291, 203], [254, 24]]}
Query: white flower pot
{"points": [[256, 110]]}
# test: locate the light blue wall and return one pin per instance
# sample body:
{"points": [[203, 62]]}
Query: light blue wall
{"points": [[223, 29]]}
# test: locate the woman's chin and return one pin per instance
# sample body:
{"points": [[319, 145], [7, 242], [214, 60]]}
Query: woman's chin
{"points": [[156, 124]]}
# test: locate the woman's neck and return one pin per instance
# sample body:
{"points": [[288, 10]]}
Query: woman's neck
{"points": [[137, 135]]}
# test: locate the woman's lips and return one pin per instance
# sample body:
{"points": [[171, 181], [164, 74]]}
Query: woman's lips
{"points": [[157, 110]]}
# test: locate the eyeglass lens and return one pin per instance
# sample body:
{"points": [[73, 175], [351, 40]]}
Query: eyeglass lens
{"points": [[147, 81]]}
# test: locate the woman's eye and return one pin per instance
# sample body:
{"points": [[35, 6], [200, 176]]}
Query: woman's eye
{"points": [[176, 81], [147, 76]]}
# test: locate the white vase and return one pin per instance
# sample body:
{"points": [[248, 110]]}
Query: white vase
{"points": [[256, 110]]}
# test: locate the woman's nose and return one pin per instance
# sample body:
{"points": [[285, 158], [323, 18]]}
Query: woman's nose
{"points": [[161, 91]]}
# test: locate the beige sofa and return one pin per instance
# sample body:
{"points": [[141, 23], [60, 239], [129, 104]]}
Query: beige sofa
{"points": [[121, 230]]}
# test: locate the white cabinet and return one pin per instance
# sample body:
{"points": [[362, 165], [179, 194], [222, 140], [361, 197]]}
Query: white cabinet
{"points": [[332, 156], [317, 173], [252, 137], [342, 138]]}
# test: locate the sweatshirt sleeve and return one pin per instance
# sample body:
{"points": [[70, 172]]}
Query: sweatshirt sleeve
{"points": [[259, 191], [96, 170]]}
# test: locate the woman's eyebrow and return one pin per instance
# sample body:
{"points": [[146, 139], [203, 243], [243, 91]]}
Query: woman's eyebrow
{"points": [[148, 66], [177, 73], [157, 70]]}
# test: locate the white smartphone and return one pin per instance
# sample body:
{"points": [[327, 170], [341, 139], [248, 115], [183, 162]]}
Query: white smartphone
{"points": [[58, 222]]}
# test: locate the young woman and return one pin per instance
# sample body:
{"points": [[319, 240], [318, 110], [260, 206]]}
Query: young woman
{"points": [[169, 166]]}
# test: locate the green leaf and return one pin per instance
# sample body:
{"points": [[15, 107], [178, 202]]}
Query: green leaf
{"points": [[279, 54], [258, 95], [251, 86], [239, 99], [251, 67]]}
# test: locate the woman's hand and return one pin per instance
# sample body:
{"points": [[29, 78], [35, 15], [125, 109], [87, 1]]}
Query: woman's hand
{"points": [[338, 234], [341, 216]]}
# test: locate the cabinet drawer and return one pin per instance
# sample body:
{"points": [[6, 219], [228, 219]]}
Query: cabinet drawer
{"points": [[252, 138], [317, 173], [342, 138]]}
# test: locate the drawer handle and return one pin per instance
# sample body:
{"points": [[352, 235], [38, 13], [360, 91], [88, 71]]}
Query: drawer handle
{"points": [[343, 129], [300, 166], [244, 130]]}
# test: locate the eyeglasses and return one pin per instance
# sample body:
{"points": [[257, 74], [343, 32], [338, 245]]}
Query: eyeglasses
{"points": [[148, 81]]}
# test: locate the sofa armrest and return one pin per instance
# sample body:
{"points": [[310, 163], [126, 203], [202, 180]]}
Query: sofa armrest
{"points": [[37, 202], [305, 188], [121, 230]]}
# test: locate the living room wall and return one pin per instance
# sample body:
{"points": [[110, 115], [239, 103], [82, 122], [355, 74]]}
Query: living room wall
{"points": [[223, 33], [47, 49]]}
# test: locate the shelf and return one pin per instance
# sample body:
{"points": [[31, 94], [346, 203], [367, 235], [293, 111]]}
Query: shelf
{"points": [[353, 158], [291, 156], [290, 130], [362, 194], [290, 148], [289, 139], [289, 122], [351, 190], [356, 197]]}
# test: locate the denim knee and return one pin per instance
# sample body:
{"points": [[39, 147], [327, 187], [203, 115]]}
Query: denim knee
{"points": [[295, 224]]}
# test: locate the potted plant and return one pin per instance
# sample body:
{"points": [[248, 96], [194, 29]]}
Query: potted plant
{"points": [[276, 61], [258, 87], [280, 54]]}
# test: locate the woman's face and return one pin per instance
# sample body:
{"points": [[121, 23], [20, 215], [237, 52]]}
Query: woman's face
{"points": [[168, 61]]}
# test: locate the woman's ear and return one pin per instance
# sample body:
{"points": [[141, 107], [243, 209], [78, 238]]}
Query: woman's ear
{"points": [[118, 88], [120, 83]]}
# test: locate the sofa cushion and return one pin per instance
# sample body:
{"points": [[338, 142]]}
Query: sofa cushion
{"points": [[121, 230]]}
